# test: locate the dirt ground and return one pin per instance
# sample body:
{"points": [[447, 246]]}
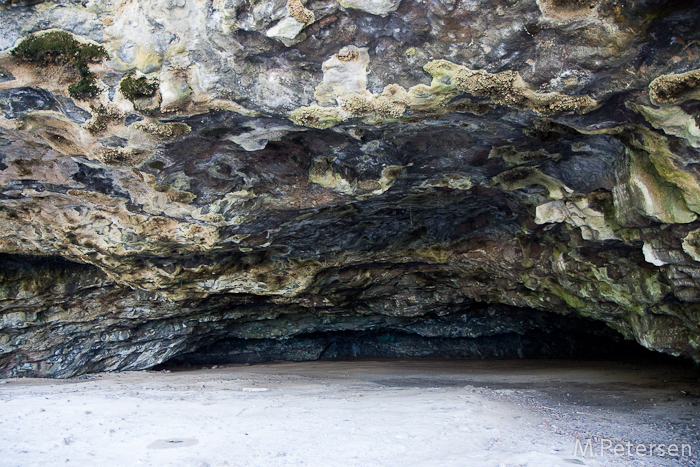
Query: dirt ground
{"points": [[535, 413]]}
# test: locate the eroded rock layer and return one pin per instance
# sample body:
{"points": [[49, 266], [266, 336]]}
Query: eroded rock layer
{"points": [[438, 178]]}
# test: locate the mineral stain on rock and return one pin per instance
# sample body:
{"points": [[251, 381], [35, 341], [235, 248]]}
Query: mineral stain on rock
{"points": [[248, 181]]}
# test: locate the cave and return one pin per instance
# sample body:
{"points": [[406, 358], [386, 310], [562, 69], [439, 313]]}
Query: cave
{"points": [[354, 179], [483, 214], [345, 345], [473, 334]]}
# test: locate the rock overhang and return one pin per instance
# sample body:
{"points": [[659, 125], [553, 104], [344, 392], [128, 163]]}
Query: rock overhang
{"points": [[377, 166]]}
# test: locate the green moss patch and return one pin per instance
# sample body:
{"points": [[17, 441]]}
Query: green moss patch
{"points": [[86, 88], [60, 48], [138, 88]]}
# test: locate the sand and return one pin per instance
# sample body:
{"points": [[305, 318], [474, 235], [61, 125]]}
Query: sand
{"points": [[358, 413]]}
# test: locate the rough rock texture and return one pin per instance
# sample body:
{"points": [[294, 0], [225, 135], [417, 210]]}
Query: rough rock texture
{"points": [[238, 175]]}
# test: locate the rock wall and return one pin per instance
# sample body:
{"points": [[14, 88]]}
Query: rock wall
{"points": [[176, 175]]}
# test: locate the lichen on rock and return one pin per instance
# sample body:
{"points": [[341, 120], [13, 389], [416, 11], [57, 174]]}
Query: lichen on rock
{"points": [[166, 130], [316, 117], [513, 157], [453, 181], [390, 104], [102, 117], [522, 177], [123, 157], [567, 10], [675, 88], [507, 88]]}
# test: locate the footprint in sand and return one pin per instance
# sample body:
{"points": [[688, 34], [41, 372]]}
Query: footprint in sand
{"points": [[172, 443]]}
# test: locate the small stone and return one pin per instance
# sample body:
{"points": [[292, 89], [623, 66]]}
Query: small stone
{"points": [[286, 30], [374, 7]]}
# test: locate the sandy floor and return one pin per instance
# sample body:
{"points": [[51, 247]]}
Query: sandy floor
{"points": [[361, 413]]}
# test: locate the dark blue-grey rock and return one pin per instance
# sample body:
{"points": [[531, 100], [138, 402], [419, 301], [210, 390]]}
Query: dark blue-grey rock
{"points": [[18, 102]]}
